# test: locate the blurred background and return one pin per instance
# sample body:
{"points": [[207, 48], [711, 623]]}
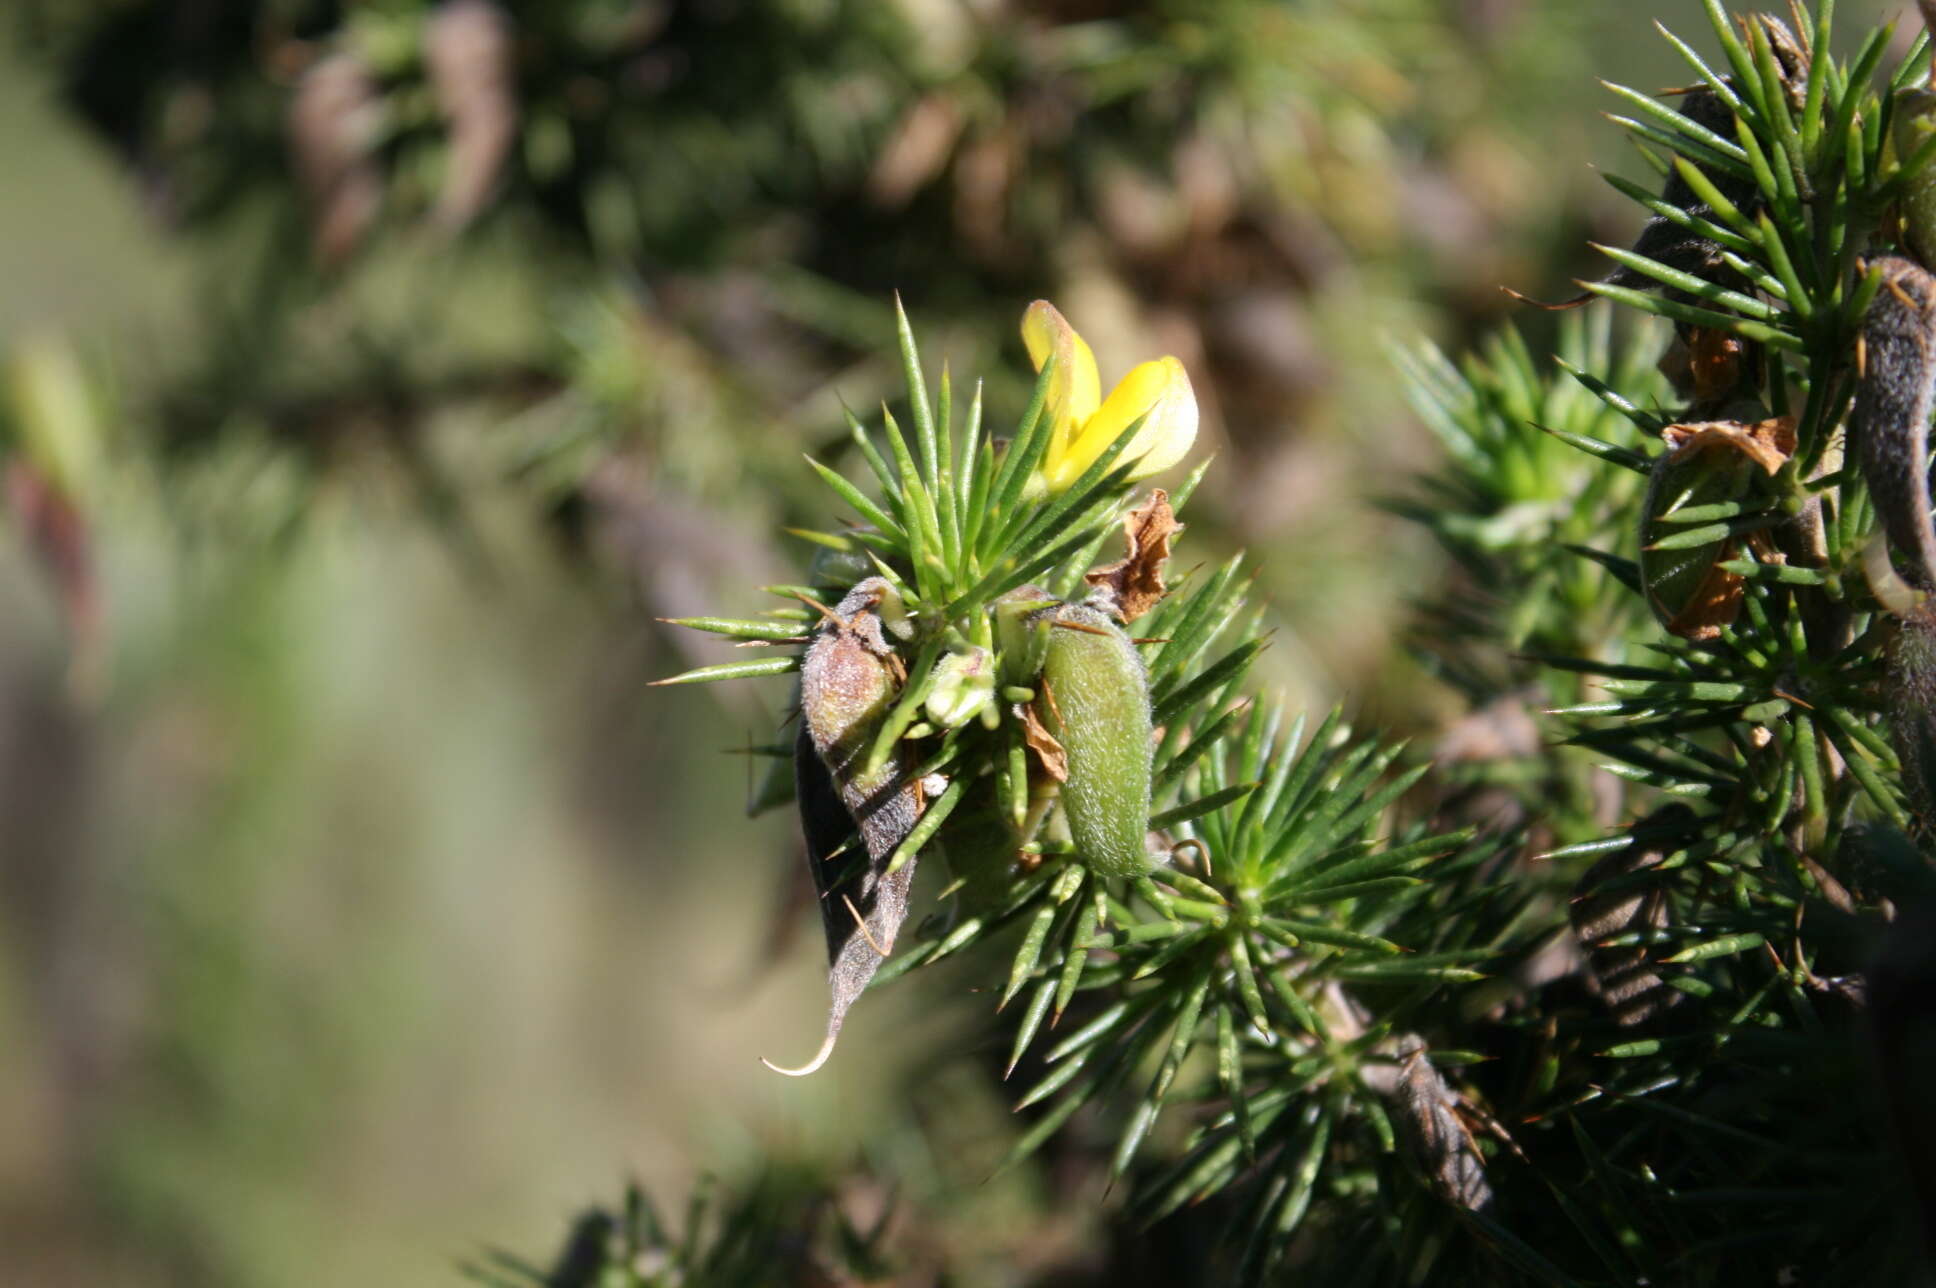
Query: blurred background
{"points": [[373, 375]]}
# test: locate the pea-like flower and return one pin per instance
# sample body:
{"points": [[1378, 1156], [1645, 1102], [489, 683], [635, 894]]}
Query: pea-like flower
{"points": [[1083, 423]]}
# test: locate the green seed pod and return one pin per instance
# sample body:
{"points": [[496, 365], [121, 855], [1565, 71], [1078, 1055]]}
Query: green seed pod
{"points": [[1914, 125], [1095, 702], [1713, 477]]}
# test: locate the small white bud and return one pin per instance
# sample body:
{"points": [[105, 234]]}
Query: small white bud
{"points": [[964, 684]]}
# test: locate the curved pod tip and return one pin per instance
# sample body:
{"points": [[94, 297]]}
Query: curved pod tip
{"points": [[811, 1066]]}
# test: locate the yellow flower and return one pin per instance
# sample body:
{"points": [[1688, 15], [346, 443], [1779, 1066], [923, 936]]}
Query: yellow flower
{"points": [[1083, 423]]}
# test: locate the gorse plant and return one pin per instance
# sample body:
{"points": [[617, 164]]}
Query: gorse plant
{"points": [[1184, 867], [1634, 1013]]}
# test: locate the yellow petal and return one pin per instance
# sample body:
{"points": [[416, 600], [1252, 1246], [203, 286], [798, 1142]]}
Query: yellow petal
{"points": [[1159, 392], [1075, 389]]}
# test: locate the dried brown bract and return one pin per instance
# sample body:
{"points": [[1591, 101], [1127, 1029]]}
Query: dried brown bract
{"points": [[1768, 443], [1048, 752], [1134, 584]]}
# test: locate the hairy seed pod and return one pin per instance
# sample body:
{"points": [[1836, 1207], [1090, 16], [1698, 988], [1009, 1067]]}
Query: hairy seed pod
{"points": [[1431, 1117], [1095, 702], [1891, 421], [1892, 407], [849, 680]]}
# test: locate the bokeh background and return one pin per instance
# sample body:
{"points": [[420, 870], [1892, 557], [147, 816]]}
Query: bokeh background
{"points": [[376, 374]]}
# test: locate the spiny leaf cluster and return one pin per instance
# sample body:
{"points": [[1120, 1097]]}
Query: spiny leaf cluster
{"points": [[779, 1229], [1711, 1130], [1220, 990]]}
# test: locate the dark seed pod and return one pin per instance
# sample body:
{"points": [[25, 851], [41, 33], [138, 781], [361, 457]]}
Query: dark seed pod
{"points": [[1893, 401], [1095, 702], [1620, 899], [848, 683], [1902, 1021], [1430, 1116], [1667, 242], [1912, 714], [1897, 370]]}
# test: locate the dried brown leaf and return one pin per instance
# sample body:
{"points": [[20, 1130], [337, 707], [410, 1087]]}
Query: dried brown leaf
{"points": [[1055, 761], [1135, 583], [1768, 443]]}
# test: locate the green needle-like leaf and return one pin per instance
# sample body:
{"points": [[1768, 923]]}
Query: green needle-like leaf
{"points": [[735, 671]]}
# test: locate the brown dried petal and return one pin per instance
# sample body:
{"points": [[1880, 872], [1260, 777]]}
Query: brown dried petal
{"points": [[1707, 364], [1768, 443], [1691, 593], [1136, 582], [1055, 761]]}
